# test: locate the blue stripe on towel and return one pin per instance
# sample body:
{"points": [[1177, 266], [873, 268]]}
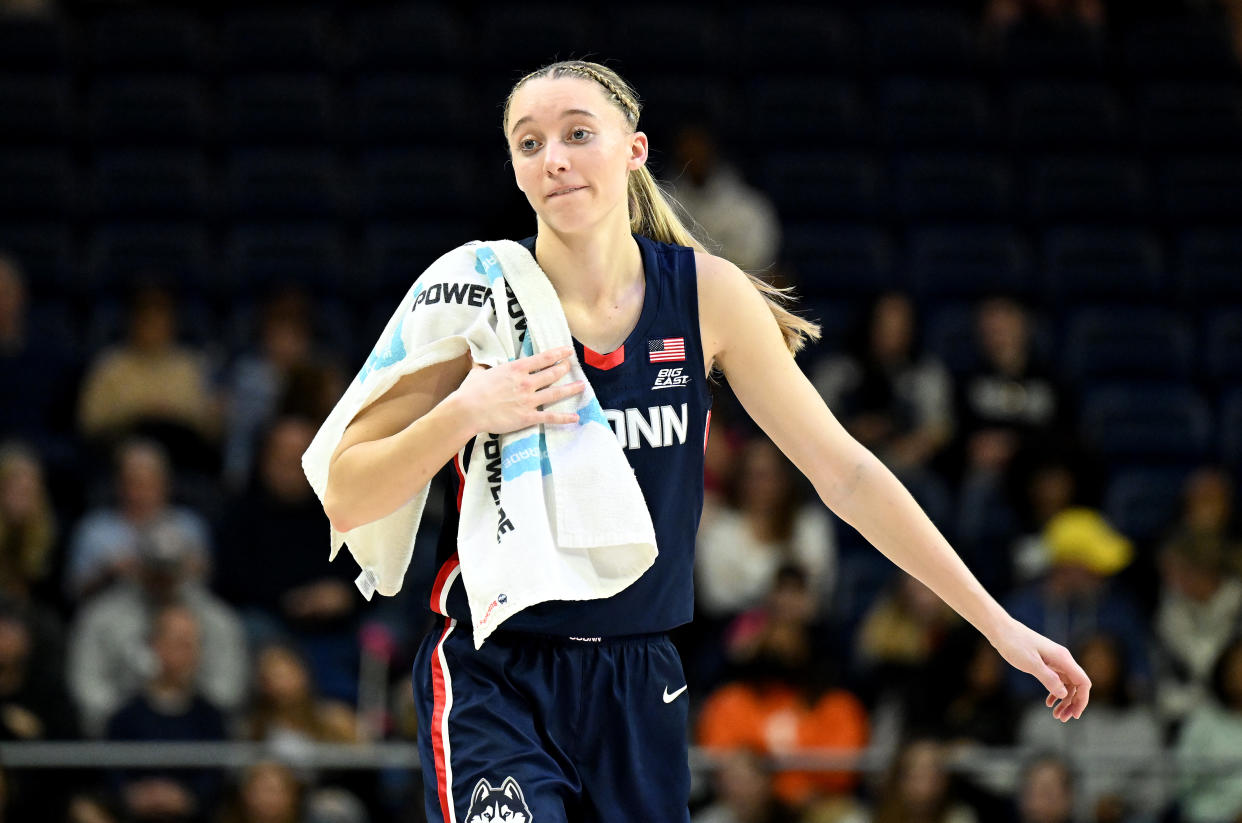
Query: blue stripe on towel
{"points": [[525, 455], [386, 354]]}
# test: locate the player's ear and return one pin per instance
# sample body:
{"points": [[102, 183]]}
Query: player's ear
{"points": [[638, 151], [512, 790], [480, 789]]}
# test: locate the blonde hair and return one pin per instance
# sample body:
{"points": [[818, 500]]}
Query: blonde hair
{"points": [[25, 548], [653, 212]]}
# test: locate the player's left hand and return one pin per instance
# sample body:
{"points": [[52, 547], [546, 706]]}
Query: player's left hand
{"points": [[1052, 665]]}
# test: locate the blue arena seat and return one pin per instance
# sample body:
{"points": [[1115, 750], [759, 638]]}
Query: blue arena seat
{"points": [[1231, 429], [968, 261], [789, 38], [1127, 343], [35, 110], [778, 107], [147, 109], [923, 113], [148, 39], [1087, 188], [428, 109], [1222, 348], [1209, 266], [1064, 115], [949, 333], [1143, 504], [1138, 424], [395, 254], [265, 183], [279, 109], [46, 252], [1191, 48], [33, 43], [1102, 264], [150, 184], [401, 183], [689, 37], [1203, 188], [261, 256], [36, 184], [300, 39], [838, 261], [517, 39], [423, 37], [921, 40], [177, 254], [848, 186], [1033, 51], [955, 186], [686, 97], [1191, 115]]}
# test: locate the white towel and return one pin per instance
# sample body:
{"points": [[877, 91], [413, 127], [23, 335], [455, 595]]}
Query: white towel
{"points": [[568, 521]]}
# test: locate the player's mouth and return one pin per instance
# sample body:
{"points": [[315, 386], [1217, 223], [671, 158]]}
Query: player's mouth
{"points": [[562, 192]]}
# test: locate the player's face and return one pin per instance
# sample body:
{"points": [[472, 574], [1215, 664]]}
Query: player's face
{"points": [[572, 151]]}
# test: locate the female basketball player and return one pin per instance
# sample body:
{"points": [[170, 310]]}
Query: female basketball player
{"points": [[575, 710]]}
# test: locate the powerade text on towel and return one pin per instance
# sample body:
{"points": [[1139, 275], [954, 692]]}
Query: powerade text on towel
{"points": [[657, 400]]}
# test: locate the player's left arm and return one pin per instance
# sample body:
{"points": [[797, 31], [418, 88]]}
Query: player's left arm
{"points": [[742, 336]]}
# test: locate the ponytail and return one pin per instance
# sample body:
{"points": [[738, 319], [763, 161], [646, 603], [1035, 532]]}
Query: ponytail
{"points": [[654, 213]]}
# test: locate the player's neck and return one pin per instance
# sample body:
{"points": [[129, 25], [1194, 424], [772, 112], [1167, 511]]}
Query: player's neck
{"points": [[590, 269]]}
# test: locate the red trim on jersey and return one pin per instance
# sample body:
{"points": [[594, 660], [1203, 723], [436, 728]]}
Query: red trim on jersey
{"points": [[439, 698], [707, 427], [611, 360], [437, 588], [461, 478]]}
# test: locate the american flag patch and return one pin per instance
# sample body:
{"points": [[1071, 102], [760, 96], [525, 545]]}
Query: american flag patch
{"points": [[666, 349]]}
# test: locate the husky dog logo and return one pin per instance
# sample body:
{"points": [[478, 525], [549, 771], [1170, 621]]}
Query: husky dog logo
{"points": [[498, 805]]}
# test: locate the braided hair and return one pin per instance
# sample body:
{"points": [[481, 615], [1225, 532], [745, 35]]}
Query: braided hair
{"points": [[653, 212]]}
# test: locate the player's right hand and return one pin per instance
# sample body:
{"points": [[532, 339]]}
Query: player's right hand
{"points": [[509, 396]]}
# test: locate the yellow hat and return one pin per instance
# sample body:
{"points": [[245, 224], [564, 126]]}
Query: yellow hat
{"points": [[1083, 537]]}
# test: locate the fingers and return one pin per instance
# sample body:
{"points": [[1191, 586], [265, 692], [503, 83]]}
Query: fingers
{"points": [[1075, 682], [541, 360]]}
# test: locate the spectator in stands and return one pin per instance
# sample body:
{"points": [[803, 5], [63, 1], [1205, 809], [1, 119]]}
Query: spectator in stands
{"points": [[783, 699], [897, 644], [151, 384], [1199, 612], [918, 789], [109, 657], [27, 547], [894, 398], [34, 706], [1012, 400], [1001, 16], [1207, 507], [1213, 732], [765, 526], [287, 708], [1118, 725], [27, 522], [257, 382], [269, 792], [170, 708], [1046, 791], [743, 787], [39, 371], [1048, 488], [966, 700], [1078, 595], [104, 545], [294, 594], [739, 218]]}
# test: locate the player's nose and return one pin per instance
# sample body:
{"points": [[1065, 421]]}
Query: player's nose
{"points": [[555, 158]]}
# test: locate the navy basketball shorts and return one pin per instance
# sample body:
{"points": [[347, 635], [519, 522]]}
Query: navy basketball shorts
{"points": [[537, 729]]}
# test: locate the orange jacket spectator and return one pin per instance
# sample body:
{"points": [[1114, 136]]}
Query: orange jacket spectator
{"points": [[777, 719]]}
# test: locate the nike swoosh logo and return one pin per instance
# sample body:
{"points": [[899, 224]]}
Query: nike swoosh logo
{"points": [[669, 698]]}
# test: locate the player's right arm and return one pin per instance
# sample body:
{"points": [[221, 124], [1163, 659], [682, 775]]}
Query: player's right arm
{"points": [[394, 446]]}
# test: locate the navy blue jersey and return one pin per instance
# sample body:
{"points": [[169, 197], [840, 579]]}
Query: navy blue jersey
{"points": [[654, 394]]}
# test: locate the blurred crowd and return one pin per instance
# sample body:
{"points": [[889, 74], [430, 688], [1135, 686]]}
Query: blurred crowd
{"points": [[164, 572]]}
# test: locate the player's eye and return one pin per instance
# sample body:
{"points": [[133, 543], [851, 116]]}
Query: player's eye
{"points": [[522, 144], [583, 132]]}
